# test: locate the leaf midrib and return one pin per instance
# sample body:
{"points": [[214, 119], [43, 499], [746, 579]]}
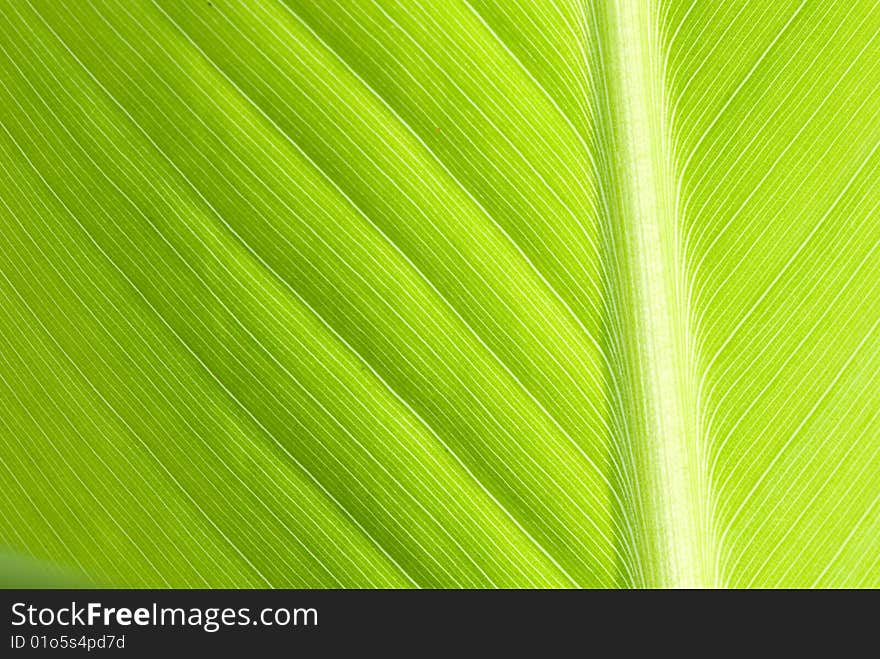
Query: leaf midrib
{"points": [[662, 451]]}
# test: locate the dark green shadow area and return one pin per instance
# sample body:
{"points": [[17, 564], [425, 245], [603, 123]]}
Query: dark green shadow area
{"points": [[22, 572]]}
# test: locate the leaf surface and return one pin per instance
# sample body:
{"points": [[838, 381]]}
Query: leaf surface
{"points": [[486, 293]]}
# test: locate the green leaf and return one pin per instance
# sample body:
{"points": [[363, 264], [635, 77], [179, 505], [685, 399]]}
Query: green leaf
{"points": [[443, 294]]}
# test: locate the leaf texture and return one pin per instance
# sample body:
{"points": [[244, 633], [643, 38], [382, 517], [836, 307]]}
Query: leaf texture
{"points": [[472, 293]]}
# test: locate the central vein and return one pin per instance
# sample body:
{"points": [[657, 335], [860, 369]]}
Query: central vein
{"points": [[664, 470]]}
